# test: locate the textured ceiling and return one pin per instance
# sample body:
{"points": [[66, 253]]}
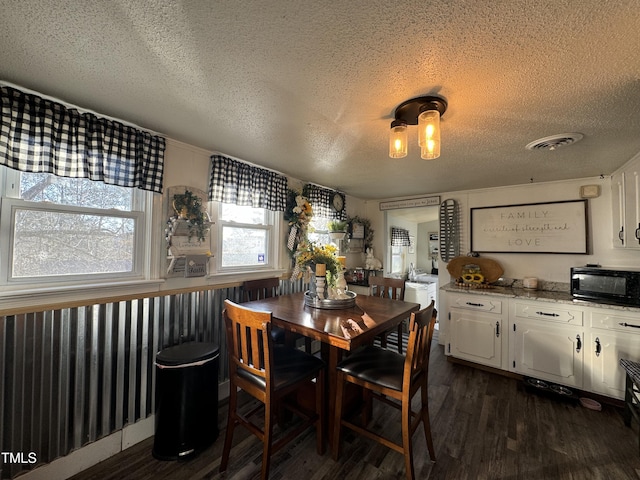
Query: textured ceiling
{"points": [[309, 88]]}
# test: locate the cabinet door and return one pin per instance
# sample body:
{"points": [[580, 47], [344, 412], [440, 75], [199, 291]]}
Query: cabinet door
{"points": [[433, 294], [631, 209], [617, 209], [477, 337], [605, 349], [548, 352]]}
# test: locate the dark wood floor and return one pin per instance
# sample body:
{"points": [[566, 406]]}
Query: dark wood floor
{"points": [[485, 426]]}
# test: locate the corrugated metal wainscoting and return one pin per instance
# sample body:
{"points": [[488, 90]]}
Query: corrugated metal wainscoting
{"points": [[74, 375]]}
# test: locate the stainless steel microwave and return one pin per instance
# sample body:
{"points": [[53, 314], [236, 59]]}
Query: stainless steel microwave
{"points": [[617, 286]]}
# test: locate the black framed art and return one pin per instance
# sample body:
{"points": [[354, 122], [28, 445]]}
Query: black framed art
{"points": [[551, 227]]}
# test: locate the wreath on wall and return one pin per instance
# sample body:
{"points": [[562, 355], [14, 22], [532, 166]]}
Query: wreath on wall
{"points": [[298, 215], [368, 231], [188, 207]]}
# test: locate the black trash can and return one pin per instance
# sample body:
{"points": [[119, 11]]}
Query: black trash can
{"points": [[186, 400]]}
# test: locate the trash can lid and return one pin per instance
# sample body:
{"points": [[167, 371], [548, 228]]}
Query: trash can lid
{"points": [[187, 353]]}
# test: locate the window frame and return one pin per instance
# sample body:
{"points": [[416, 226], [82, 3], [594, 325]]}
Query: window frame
{"points": [[10, 203], [271, 227], [401, 254]]}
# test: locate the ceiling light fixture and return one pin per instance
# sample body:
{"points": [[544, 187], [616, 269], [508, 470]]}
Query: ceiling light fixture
{"points": [[424, 112]]}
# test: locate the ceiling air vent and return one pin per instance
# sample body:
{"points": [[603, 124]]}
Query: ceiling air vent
{"points": [[554, 141]]}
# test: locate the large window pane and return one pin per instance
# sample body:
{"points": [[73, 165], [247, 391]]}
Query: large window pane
{"points": [[50, 243], [244, 246], [238, 214], [79, 192], [397, 259], [318, 229]]}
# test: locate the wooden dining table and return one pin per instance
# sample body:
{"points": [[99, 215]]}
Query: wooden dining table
{"points": [[338, 330]]}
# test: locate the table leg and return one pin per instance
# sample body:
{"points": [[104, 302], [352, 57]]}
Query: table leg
{"points": [[331, 355]]}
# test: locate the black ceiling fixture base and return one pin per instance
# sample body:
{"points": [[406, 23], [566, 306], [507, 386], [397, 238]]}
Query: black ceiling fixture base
{"points": [[408, 111]]}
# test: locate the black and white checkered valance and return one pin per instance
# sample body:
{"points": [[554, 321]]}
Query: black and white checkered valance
{"points": [[400, 237], [40, 135], [242, 184], [321, 199]]}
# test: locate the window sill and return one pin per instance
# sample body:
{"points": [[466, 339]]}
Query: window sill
{"points": [[228, 277], [32, 299]]}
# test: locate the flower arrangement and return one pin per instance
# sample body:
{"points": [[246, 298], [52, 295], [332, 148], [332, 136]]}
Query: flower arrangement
{"points": [[299, 211], [298, 214], [337, 226], [311, 254]]}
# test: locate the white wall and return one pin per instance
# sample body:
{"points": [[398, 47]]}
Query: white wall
{"points": [[549, 267], [186, 165]]}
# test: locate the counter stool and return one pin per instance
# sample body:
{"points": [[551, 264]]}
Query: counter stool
{"points": [[631, 392]]}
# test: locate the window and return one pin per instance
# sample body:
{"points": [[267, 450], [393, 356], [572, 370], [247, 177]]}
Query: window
{"points": [[319, 230], [69, 229], [397, 259], [245, 236]]}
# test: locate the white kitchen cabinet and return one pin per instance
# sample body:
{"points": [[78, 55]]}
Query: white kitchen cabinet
{"points": [[547, 342], [477, 329], [548, 352], [551, 339], [625, 198], [422, 293], [614, 335]]}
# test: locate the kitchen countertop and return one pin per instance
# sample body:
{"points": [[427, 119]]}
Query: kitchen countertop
{"points": [[537, 295]]}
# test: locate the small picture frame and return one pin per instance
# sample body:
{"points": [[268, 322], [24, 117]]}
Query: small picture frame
{"points": [[357, 230]]}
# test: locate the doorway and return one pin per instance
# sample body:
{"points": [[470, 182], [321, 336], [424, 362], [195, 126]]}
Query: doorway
{"points": [[422, 223]]}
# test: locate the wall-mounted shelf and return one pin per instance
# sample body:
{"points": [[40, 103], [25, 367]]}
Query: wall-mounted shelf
{"points": [[188, 246], [181, 244]]}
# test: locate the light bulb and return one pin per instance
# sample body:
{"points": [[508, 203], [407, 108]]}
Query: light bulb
{"points": [[398, 139], [429, 134]]}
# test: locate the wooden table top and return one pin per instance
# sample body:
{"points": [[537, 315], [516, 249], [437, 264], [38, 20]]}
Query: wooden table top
{"points": [[344, 328]]}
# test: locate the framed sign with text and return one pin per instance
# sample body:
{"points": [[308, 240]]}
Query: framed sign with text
{"points": [[552, 227]]}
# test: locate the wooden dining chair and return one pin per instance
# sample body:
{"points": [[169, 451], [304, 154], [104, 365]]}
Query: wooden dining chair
{"points": [[264, 288], [393, 379], [267, 288], [388, 288], [268, 372]]}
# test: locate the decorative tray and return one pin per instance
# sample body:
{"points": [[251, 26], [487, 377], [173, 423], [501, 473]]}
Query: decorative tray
{"points": [[491, 269], [311, 300]]}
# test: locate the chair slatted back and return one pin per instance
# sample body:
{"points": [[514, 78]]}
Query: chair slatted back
{"points": [[421, 328], [248, 340], [387, 287], [259, 289]]}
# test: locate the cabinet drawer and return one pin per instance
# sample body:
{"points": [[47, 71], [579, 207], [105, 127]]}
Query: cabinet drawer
{"points": [[480, 303], [615, 321], [549, 313]]}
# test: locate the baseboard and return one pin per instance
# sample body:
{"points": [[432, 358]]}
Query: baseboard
{"points": [[98, 451], [93, 453]]}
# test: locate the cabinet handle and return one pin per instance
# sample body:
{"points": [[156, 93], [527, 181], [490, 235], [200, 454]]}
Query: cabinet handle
{"points": [[497, 329], [475, 304], [579, 346], [548, 314], [638, 233], [625, 324], [621, 235], [598, 347]]}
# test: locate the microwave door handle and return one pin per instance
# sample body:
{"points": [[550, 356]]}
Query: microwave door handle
{"points": [[625, 324]]}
